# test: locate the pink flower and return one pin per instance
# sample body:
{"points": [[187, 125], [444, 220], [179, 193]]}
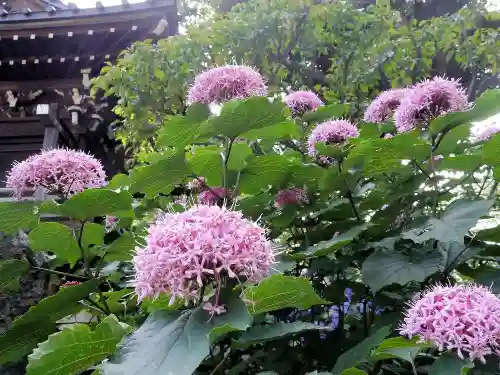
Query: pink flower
{"points": [[219, 85], [388, 136], [383, 107], [484, 133], [463, 317], [109, 222], [197, 184], [290, 196], [438, 157], [201, 245], [429, 99], [213, 195], [60, 171], [68, 284], [331, 132], [214, 309], [301, 102]]}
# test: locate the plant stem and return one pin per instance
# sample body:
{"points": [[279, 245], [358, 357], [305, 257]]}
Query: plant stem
{"points": [[86, 266], [227, 152], [59, 273], [349, 195]]}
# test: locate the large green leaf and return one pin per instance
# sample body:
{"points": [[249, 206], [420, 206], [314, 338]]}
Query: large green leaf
{"points": [[454, 140], [97, 202], [286, 129], [121, 249], [239, 116], [17, 215], [491, 151], [460, 216], [262, 171], [277, 292], [399, 347], [93, 235], [178, 131], [36, 324], [359, 352], [207, 163], [274, 331], [57, 238], [10, 272], [488, 276], [160, 177], [354, 371], [326, 112], [76, 348], [449, 364], [391, 267], [327, 247], [171, 343]]}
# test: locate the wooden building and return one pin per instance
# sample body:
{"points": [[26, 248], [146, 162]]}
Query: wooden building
{"points": [[49, 51]]}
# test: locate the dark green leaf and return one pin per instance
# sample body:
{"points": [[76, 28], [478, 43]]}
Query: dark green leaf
{"points": [[449, 364], [93, 235], [488, 276], [326, 112], [463, 162], [17, 215], [76, 348], [237, 158], [121, 249], [327, 247], [239, 116], [274, 331], [391, 267], [399, 347], [10, 272], [456, 253], [277, 292], [354, 371], [491, 234], [206, 162], [286, 129], [454, 140], [460, 216], [262, 171], [491, 151], [236, 319], [97, 202], [160, 177], [359, 352], [56, 238]]}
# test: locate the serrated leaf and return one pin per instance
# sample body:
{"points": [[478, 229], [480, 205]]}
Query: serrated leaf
{"points": [[326, 112], [327, 247], [56, 238], [76, 348], [237, 158], [460, 216], [160, 177], [10, 272], [277, 292], [97, 202], [93, 235], [282, 130], [168, 343], [463, 162], [206, 162], [391, 267], [263, 171], [178, 131], [17, 215], [449, 364], [239, 116], [262, 333], [359, 352], [121, 249]]}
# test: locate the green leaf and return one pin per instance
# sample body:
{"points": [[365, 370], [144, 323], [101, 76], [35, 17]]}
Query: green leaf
{"points": [[206, 162], [399, 347], [121, 249], [40, 321], [263, 171], [237, 318], [327, 247], [258, 334], [160, 177], [237, 158], [169, 343], [490, 151], [449, 364], [10, 272], [354, 371], [76, 348], [93, 235], [456, 253], [97, 202], [460, 216], [463, 162], [161, 303], [240, 116], [56, 238], [454, 140], [277, 292], [178, 131], [282, 130], [119, 181], [359, 352], [391, 267], [17, 215], [488, 276], [326, 112]]}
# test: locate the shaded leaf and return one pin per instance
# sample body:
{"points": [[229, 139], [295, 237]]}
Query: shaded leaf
{"points": [[359, 352], [277, 292], [399, 347], [449, 364], [17, 215], [285, 129], [121, 249], [76, 348], [327, 247], [263, 171], [56, 238], [274, 331], [354, 371], [93, 235], [10, 272], [326, 112], [207, 163]]}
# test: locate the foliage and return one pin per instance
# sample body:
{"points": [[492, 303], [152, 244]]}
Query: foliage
{"points": [[388, 219]]}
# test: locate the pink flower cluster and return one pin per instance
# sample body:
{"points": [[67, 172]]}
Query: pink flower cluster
{"points": [[197, 184], [383, 107], [60, 171], [213, 195], [290, 196], [429, 99], [204, 244], [465, 318], [301, 102], [331, 132], [221, 84], [110, 222]]}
